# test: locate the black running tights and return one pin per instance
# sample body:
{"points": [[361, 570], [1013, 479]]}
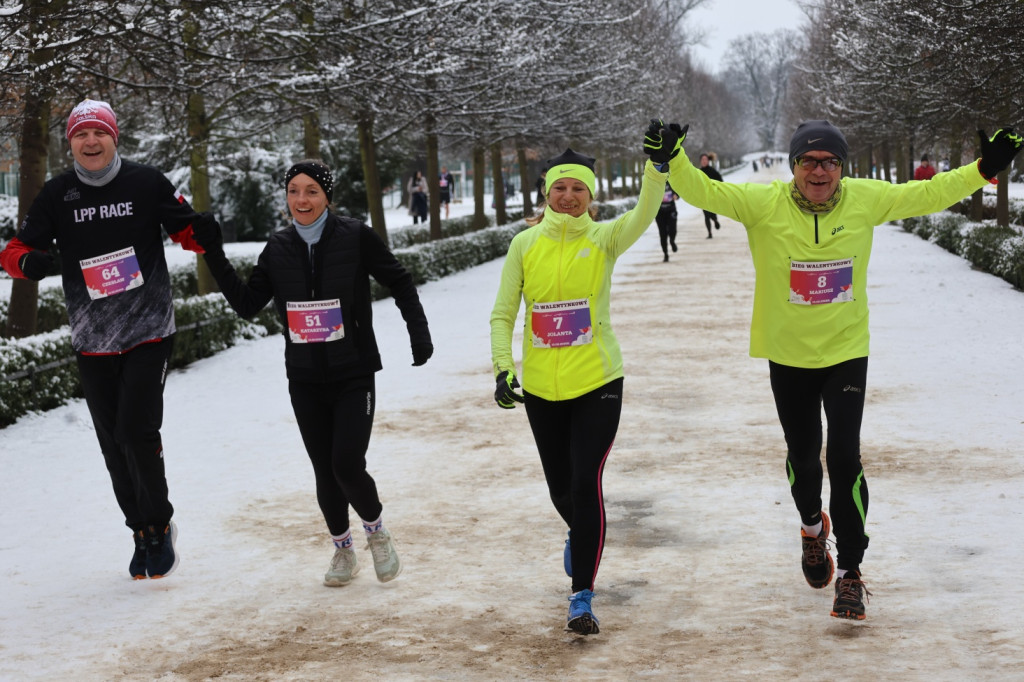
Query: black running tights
{"points": [[335, 420], [800, 395], [573, 439]]}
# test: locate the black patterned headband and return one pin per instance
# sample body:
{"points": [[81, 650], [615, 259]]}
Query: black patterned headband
{"points": [[316, 170]]}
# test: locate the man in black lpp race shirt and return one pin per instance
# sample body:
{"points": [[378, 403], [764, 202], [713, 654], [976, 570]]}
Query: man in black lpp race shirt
{"points": [[107, 217]]}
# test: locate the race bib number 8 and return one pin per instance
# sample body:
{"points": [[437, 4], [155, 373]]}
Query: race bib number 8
{"points": [[315, 321], [563, 323], [818, 283], [112, 273]]}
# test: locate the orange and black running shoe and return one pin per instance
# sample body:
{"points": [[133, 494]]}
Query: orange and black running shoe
{"points": [[816, 560]]}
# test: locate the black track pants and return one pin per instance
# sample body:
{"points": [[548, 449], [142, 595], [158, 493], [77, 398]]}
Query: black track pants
{"points": [[710, 219], [666, 231], [799, 396], [574, 438], [125, 396], [335, 420]]}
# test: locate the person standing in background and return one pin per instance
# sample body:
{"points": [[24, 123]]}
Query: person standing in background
{"points": [[925, 171], [446, 183], [711, 172], [417, 188], [667, 220]]}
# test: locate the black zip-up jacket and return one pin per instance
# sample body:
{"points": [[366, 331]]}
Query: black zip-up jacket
{"points": [[348, 253]]}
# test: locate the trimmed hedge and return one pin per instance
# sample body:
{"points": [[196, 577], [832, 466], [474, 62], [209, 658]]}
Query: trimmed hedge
{"points": [[985, 245], [39, 372]]}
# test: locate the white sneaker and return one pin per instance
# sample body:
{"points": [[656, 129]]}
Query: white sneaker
{"points": [[343, 568], [385, 555]]}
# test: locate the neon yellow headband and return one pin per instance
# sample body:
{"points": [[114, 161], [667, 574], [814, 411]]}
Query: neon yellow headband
{"points": [[571, 170]]}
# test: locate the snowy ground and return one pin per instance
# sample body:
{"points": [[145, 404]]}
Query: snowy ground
{"points": [[700, 578]]}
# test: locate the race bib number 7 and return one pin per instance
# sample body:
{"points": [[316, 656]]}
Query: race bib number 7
{"points": [[562, 323], [315, 321], [818, 283], [112, 273]]}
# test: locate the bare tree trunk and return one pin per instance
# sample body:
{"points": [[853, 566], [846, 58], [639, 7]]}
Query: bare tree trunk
{"points": [[368, 155], [499, 184], [23, 308], [433, 173], [977, 201], [886, 161], [524, 177], [609, 179], [198, 136], [479, 173], [1003, 199], [311, 135], [311, 119], [956, 145], [901, 163]]}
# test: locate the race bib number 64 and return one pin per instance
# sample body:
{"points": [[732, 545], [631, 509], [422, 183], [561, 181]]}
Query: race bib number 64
{"points": [[112, 273]]}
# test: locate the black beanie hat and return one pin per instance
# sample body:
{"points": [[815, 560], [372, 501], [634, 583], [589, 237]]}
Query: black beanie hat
{"points": [[817, 136]]}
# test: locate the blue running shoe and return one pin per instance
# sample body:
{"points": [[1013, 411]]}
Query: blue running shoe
{"points": [[567, 556], [581, 617], [137, 567], [161, 557]]}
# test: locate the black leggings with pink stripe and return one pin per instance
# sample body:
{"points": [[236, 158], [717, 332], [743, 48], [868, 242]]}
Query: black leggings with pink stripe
{"points": [[574, 438]]}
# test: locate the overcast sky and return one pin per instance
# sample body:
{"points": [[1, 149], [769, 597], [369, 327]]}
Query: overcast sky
{"points": [[725, 20]]}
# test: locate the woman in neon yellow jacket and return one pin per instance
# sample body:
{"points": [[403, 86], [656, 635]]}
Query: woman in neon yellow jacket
{"points": [[810, 240], [561, 268]]}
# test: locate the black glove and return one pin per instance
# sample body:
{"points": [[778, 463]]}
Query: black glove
{"points": [[206, 231], [36, 264], [421, 352], [505, 394], [997, 152], [663, 143]]}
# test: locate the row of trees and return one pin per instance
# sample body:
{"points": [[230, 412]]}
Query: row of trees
{"points": [[902, 76], [225, 94], [235, 89]]}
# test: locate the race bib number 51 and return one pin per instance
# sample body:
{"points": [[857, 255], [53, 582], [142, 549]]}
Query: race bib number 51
{"points": [[111, 273], [315, 321], [562, 323], [824, 282]]}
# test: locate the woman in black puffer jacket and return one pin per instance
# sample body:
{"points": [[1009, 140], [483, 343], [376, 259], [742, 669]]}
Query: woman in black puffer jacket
{"points": [[317, 273]]}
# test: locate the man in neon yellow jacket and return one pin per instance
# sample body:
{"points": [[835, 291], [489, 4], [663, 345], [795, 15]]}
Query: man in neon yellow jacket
{"points": [[561, 268], [810, 240]]}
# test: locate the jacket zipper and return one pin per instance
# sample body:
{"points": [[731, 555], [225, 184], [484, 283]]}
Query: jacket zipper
{"points": [[815, 228]]}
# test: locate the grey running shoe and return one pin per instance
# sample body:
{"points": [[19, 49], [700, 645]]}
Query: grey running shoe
{"points": [[385, 555], [344, 567]]}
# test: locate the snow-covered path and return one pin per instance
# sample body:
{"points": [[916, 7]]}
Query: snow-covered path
{"points": [[700, 578]]}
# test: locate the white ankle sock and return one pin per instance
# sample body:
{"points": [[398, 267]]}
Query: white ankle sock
{"points": [[372, 527], [812, 530], [343, 541]]}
